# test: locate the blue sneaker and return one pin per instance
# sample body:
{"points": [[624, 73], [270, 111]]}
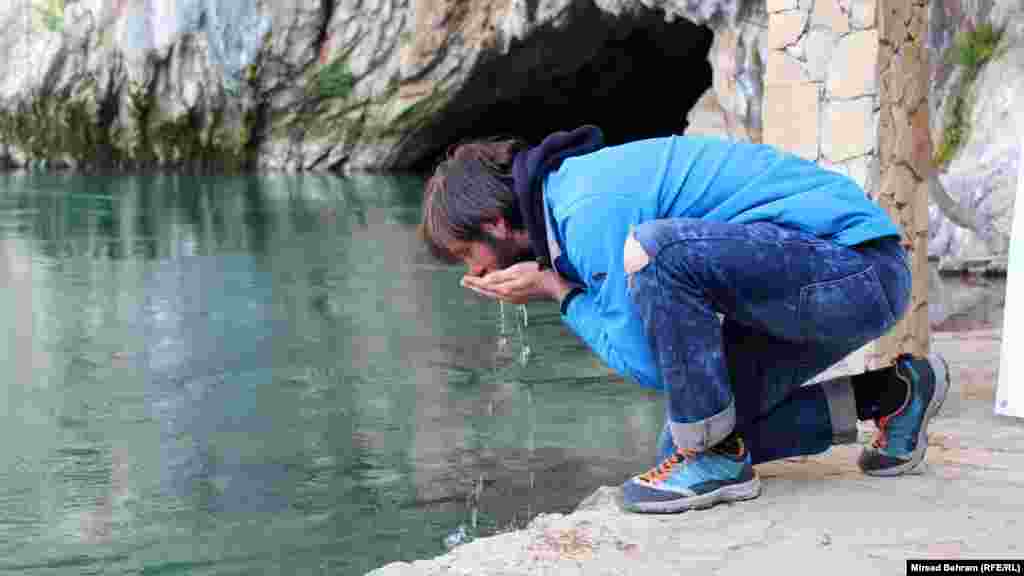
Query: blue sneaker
{"points": [[902, 437], [721, 474]]}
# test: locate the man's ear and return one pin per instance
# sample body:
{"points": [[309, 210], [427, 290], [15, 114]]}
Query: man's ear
{"points": [[499, 228]]}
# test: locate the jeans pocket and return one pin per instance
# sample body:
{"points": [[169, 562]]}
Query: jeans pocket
{"points": [[851, 309]]}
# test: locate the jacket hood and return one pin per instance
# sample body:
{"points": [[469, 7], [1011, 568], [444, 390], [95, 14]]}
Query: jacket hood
{"points": [[531, 166]]}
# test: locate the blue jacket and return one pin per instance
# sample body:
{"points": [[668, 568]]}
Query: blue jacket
{"points": [[592, 200]]}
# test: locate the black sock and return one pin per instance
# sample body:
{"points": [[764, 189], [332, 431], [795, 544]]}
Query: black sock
{"points": [[878, 393], [731, 445]]}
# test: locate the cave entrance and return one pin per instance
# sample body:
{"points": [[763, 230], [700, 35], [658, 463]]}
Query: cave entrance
{"points": [[636, 76]]}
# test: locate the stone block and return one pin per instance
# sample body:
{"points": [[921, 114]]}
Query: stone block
{"points": [[818, 47], [795, 51], [828, 15], [858, 169], [785, 28], [862, 14], [848, 131], [784, 69], [791, 118], [872, 173], [824, 163], [780, 5], [852, 72]]}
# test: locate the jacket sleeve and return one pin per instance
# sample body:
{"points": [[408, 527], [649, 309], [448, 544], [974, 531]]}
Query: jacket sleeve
{"points": [[586, 321], [603, 316]]}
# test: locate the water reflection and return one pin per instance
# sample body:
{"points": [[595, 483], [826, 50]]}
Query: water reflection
{"points": [[230, 375], [214, 373]]}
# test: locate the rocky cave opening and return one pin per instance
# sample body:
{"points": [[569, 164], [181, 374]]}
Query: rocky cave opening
{"points": [[636, 76]]}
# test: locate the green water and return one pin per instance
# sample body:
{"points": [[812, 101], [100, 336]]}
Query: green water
{"points": [[268, 375]]}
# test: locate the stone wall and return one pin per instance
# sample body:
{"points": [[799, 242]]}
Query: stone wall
{"points": [[802, 75], [821, 93]]}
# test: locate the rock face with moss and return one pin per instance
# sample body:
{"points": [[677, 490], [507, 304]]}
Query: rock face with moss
{"points": [[977, 93], [318, 84], [389, 84]]}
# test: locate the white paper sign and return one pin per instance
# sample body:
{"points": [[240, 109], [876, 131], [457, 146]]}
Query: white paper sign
{"points": [[1010, 394]]}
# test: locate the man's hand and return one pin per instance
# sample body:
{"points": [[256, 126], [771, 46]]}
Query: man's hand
{"points": [[519, 284]]}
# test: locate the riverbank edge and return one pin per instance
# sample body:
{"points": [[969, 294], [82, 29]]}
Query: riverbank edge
{"points": [[820, 509]]}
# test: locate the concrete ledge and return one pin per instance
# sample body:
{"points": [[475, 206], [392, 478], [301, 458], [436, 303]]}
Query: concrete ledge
{"points": [[816, 515]]}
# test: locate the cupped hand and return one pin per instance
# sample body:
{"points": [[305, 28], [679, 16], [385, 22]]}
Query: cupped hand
{"points": [[517, 284]]}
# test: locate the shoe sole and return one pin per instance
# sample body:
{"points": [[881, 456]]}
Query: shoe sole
{"points": [[729, 493], [941, 370]]}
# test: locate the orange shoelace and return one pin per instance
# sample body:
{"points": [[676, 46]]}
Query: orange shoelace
{"points": [[661, 471]]}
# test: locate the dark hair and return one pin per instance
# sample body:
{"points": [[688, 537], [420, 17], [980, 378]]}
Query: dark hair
{"points": [[471, 186]]}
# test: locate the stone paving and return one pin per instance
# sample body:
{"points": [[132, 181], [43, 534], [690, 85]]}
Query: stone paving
{"points": [[816, 515]]}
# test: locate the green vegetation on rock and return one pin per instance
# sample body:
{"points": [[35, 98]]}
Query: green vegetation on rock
{"points": [[971, 51], [975, 48], [52, 14], [185, 140], [58, 126], [55, 126], [417, 114], [335, 80], [141, 105]]}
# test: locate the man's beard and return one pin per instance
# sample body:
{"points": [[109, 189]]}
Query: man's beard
{"points": [[506, 251]]}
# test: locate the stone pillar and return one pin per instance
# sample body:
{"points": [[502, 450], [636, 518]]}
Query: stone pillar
{"points": [[905, 159]]}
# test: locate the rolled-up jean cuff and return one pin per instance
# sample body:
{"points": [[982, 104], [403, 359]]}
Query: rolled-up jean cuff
{"points": [[705, 433], [842, 409]]}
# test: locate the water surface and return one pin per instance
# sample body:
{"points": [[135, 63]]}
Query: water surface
{"points": [[267, 374]]}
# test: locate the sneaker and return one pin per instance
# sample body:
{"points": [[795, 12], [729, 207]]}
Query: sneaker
{"points": [[721, 474], [902, 438]]}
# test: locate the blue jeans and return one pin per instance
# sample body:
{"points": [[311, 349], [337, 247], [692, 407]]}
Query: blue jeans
{"points": [[792, 304]]}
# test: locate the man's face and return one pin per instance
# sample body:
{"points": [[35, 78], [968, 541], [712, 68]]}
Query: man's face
{"points": [[490, 254]]}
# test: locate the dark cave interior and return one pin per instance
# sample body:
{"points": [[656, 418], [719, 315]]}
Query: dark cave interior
{"points": [[635, 76]]}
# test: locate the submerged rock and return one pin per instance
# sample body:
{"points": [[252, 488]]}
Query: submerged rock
{"points": [[457, 537]]}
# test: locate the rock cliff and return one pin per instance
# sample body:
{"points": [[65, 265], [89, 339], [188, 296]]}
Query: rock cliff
{"points": [[389, 84], [326, 84]]}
